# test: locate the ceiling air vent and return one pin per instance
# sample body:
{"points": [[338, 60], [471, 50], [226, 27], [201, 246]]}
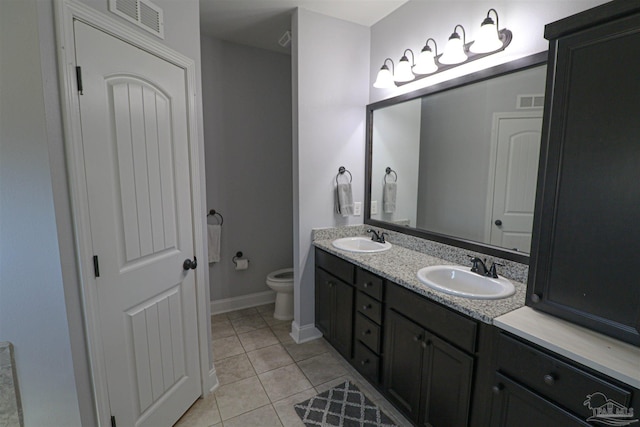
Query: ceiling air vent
{"points": [[143, 13], [529, 102]]}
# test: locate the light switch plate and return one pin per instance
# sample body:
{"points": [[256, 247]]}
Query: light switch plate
{"points": [[374, 207], [357, 208]]}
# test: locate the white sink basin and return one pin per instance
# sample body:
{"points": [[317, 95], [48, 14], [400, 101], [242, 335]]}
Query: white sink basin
{"points": [[361, 244], [460, 281]]}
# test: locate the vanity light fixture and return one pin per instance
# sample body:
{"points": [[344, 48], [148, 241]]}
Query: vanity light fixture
{"points": [[403, 70], [489, 38], [384, 80], [457, 52], [454, 51], [426, 62]]}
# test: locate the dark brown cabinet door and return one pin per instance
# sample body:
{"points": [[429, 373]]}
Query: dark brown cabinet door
{"points": [[516, 406], [586, 235], [342, 322], [446, 384], [324, 285], [334, 311], [403, 363]]}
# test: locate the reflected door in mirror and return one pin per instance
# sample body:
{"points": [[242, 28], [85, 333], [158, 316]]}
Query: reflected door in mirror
{"points": [[516, 143]]}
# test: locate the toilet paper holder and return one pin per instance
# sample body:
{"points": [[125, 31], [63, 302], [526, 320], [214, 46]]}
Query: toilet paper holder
{"points": [[238, 256]]}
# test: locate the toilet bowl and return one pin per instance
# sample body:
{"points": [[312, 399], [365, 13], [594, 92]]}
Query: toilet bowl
{"points": [[281, 281]]}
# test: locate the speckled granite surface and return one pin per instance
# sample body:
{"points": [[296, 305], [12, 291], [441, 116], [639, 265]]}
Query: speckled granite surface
{"points": [[400, 265], [509, 269], [10, 408]]}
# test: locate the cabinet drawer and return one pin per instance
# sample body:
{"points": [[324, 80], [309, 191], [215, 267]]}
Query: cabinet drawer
{"points": [[369, 283], [453, 327], [367, 363], [368, 332], [369, 307], [554, 379], [336, 266]]}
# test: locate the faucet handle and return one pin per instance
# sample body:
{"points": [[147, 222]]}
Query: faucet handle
{"points": [[382, 237], [492, 271]]}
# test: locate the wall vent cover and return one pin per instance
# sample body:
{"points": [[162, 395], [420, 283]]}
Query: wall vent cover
{"points": [[530, 102], [143, 13]]}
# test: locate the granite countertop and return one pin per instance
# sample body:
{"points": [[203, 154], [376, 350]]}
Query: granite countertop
{"points": [[401, 265]]}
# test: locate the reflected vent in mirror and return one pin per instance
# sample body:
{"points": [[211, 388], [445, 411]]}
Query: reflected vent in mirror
{"points": [[143, 13], [528, 102]]}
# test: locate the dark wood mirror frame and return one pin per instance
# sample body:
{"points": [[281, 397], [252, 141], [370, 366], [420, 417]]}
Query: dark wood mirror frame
{"points": [[486, 74]]}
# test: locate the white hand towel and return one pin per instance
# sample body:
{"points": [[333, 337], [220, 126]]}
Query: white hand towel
{"points": [[389, 197], [344, 199], [213, 240]]}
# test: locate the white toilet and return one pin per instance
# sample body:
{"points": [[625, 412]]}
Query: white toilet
{"points": [[281, 281]]}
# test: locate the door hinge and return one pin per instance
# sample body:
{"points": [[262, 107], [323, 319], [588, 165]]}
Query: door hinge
{"points": [[113, 421], [96, 266], [79, 79]]}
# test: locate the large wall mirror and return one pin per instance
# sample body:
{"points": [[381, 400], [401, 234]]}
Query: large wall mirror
{"points": [[457, 162]]}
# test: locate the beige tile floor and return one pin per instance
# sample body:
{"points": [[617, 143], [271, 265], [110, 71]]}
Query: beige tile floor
{"points": [[263, 373]]}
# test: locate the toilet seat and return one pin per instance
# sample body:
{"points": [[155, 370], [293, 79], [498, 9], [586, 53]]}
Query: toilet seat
{"points": [[281, 276]]}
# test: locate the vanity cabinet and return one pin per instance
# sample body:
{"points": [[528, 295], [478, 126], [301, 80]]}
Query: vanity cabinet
{"points": [[434, 364], [428, 359], [334, 298], [533, 387], [586, 236]]}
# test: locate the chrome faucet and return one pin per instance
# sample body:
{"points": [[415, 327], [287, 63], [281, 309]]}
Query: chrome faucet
{"points": [[375, 236]]}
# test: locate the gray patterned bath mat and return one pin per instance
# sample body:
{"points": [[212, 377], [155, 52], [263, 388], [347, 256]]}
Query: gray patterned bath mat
{"points": [[342, 406]]}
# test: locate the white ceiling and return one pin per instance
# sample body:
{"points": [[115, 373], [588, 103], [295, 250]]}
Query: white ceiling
{"points": [[261, 23]]}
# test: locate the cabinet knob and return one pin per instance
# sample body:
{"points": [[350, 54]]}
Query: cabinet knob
{"points": [[425, 344], [364, 362], [366, 285], [535, 298], [366, 306], [331, 284], [549, 379], [496, 389], [417, 338], [498, 222], [367, 332]]}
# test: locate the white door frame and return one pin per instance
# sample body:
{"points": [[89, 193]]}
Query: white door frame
{"points": [[495, 127], [66, 11]]}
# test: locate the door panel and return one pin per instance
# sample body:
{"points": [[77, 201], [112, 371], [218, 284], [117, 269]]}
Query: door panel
{"points": [[403, 363], [136, 150], [516, 406], [446, 384], [342, 333], [141, 113]]}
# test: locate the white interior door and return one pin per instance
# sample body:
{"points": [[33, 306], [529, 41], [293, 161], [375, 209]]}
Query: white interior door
{"points": [[136, 149], [516, 171]]}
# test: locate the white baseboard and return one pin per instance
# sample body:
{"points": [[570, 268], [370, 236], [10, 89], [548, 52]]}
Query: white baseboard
{"points": [[213, 382], [244, 301], [302, 334]]}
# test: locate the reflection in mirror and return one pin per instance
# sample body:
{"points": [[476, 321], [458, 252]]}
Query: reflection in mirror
{"points": [[466, 160]]}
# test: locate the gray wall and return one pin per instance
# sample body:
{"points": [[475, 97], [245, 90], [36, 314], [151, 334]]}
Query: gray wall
{"points": [[32, 304], [456, 147], [330, 90], [40, 299], [247, 110]]}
